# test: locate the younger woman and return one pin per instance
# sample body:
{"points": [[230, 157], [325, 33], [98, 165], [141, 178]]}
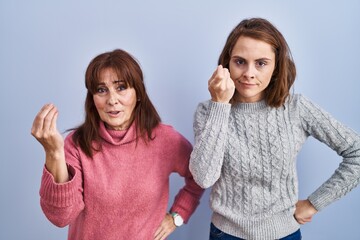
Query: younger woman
{"points": [[248, 135]]}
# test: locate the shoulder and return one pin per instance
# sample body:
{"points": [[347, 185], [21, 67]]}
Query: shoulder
{"points": [[302, 102], [69, 138], [70, 146], [169, 135], [294, 98], [297, 100], [71, 142], [305, 109], [167, 131]]}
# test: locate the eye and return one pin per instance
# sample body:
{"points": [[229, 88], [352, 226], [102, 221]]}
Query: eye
{"points": [[121, 87], [261, 63], [239, 61], [101, 90]]}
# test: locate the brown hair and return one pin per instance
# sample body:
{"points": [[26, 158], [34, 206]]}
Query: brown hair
{"points": [[285, 71], [128, 69]]}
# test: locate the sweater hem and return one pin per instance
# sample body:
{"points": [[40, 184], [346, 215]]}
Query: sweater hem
{"points": [[273, 227]]}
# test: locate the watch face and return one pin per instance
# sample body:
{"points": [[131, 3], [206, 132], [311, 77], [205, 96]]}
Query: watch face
{"points": [[178, 221]]}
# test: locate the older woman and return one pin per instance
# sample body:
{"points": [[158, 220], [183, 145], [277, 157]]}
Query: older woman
{"points": [[109, 178]]}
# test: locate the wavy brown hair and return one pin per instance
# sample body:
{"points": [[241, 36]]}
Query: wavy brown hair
{"points": [[127, 68], [285, 71]]}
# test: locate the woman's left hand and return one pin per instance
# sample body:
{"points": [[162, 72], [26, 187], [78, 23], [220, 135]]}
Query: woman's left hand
{"points": [[166, 227], [304, 211]]}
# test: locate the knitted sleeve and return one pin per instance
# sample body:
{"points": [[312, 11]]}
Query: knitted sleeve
{"points": [[61, 203], [210, 130], [322, 126], [188, 198]]}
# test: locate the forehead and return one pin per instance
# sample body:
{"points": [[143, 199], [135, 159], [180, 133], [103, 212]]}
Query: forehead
{"points": [[108, 74], [252, 48]]}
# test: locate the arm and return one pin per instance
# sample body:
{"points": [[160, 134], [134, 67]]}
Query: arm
{"points": [[60, 191], [45, 131], [188, 198], [341, 139], [210, 129]]}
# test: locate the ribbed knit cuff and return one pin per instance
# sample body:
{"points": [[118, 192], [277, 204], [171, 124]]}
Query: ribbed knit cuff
{"points": [[58, 194], [320, 199], [219, 112], [185, 206]]}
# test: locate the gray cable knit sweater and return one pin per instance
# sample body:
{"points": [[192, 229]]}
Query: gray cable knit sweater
{"points": [[247, 153]]}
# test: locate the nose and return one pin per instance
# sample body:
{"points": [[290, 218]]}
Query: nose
{"points": [[112, 98], [249, 72]]}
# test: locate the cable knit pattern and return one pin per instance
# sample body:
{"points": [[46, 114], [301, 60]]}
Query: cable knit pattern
{"points": [[123, 191], [247, 153]]}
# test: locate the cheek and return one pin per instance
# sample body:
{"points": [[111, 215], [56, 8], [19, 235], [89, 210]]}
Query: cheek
{"points": [[270, 72], [266, 76], [98, 102], [235, 72], [129, 102], [132, 105], [130, 99]]}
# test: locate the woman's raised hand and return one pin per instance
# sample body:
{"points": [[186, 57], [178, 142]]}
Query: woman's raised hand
{"points": [[45, 131], [221, 86]]}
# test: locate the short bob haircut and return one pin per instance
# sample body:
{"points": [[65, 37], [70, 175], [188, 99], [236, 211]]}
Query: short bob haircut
{"points": [[127, 68], [285, 71]]}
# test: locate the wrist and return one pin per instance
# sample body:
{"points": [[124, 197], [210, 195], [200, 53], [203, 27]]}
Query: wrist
{"points": [[311, 206]]}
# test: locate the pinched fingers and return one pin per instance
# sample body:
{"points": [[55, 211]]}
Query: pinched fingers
{"points": [[221, 86], [219, 76], [44, 127], [44, 121]]}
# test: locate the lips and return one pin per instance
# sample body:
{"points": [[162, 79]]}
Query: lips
{"points": [[113, 113], [247, 84]]}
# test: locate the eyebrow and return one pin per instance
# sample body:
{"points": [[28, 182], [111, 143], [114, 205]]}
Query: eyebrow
{"points": [[118, 81], [259, 59], [114, 82]]}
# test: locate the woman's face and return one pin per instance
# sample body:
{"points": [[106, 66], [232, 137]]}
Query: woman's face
{"points": [[252, 63], [114, 101]]}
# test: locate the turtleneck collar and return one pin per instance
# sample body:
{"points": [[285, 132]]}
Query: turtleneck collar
{"points": [[118, 137]]}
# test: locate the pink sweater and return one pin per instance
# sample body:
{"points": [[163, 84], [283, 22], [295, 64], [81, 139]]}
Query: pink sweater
{"points": [[123, 192]]}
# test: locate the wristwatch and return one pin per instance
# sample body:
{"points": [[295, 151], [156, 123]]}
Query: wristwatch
{"points": [[178, 220]]}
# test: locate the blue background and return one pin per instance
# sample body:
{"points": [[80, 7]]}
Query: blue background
{"points": [[45, 47]]}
